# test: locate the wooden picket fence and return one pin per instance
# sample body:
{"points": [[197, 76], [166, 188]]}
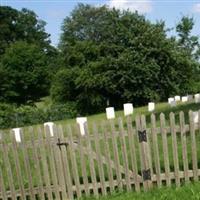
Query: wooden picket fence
{"points": [[123, 154]]}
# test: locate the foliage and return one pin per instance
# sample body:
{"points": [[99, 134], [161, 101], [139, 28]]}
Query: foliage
{"points": [[190, 43], [23, 25], [27, 60], [191, 47], [12, 116], [25, 73], [112, 57]]}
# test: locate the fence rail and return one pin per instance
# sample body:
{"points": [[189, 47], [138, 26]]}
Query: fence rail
{"points": [[127, 154]]}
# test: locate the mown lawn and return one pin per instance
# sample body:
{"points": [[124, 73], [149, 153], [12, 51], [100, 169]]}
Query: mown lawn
{"points": [[186, 192], [160, 108]]}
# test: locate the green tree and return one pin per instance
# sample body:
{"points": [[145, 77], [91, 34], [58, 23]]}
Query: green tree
{"points": [[191, 47], [23, 25], [24, 73], [190, 43], [119, 57]]}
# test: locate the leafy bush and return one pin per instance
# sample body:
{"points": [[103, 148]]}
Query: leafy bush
{"points": [[12, 116]]}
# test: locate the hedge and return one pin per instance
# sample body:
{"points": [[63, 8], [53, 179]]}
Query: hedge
{"points": [[12, 116]]}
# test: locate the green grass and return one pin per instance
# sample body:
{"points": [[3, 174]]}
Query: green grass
{"points": [[160, 108], [186, 192]]}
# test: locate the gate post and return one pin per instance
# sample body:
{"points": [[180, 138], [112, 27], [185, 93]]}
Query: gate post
{"points": [[144, 151]]}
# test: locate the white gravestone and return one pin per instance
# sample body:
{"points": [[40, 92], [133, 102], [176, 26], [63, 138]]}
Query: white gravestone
{"points": [[190, 97], [184, 99], [197, 98], [177, 98], [128, 109], [50, 125], [110, 113], [17, 134], [173, 103], [195, 117], [81, 121], [170, 100], [151, 106]]}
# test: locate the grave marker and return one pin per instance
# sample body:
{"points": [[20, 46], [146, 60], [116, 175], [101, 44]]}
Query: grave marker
{"points": [[170, 100], [195, 117], [197, 98], [50, 125], [17, 134], [173, 103], [177, 98], [81, 121], [151, 106], [110, 113], [184, 98], [190, 97], [128, 109]]}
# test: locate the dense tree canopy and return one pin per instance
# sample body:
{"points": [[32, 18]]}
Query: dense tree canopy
{"points": [[105, 56], [23, 25], [118, 57], [27, 59], [23, 73]]}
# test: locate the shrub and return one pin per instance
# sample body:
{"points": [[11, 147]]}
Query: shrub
{"points": [[12, 116]]}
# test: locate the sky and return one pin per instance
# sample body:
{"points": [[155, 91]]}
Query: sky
{"points": [[54, 11]]}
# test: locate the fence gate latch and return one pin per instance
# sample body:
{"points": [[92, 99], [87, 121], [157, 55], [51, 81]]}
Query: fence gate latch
{"points": [[142, 136], [59, 143], [146, 174]]}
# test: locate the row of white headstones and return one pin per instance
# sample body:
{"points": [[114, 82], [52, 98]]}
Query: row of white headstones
{"points": [[128, 110]]}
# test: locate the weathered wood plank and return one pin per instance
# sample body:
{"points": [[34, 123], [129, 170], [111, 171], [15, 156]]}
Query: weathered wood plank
{"points": [[64, 158], [174, 149], [165, 148], [36, 159], [27, 165], [74, 162], [91, 161], [156, 149], [193, 145], [82, 160], [58, 162], [141, 150], [52, 168], [131, 140], [42, 151], [124, 154], [99, 159], [146, 152], [184, 145], [14, 148], [2, 183], [116, 154], [107, 155]]}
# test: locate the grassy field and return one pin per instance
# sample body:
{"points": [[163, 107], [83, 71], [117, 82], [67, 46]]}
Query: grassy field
{"points": [[160, 108], [190, 191]]}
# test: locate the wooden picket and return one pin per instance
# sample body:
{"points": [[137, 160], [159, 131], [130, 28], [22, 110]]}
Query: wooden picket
{"points": [[127, 153], [184, 146]]}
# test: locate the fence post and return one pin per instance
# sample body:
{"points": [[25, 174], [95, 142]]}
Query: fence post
{"points": [[144, 152]]}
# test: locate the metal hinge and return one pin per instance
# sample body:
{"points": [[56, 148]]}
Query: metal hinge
{"points": [[142, 136], [146, 174], [59, 143]]}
